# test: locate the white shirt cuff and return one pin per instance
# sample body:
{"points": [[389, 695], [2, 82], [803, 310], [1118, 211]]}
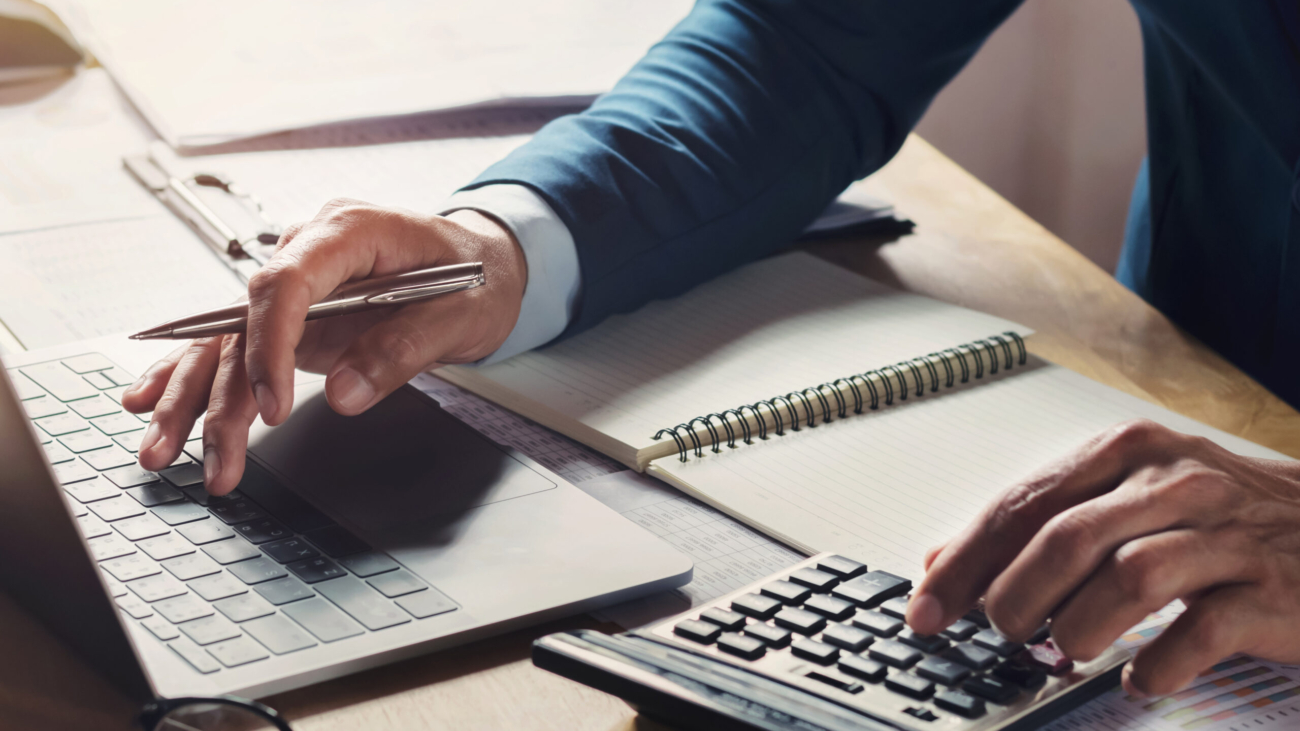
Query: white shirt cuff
{"points": [[554, 279]]}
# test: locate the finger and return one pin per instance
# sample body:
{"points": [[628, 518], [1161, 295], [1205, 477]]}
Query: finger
{"points": [[932, 554], [184, 399], [1072, 545], [1141, 577], [231, 410], [1223, 623], [142, 396], [966, 567]]}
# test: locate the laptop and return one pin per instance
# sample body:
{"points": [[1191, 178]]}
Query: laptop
{"points": [[350, 543]]}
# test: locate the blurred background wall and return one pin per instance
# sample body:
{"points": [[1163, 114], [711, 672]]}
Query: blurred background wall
{"points": [[1050, 114]]}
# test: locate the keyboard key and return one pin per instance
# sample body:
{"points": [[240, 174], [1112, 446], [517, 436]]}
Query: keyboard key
{"points": [[257, 570], [1046, 656], [861, 667], [814, 579], [336, 542], [830, 607], [214, 587], [74, 471], [848, 638], [115, 424], [24, 386], [141, 527], [95, 406], [155, 494], [207, 531], [119, 376], [109, 547], [755, 605], [91, 490], [773, 637], [159, 586], [363, 603], [85, 441], [991, 689], [236, 652], [183, 608], [61, 424], [129, 441], [201, 496], [283, 591], [364, 565], [878, 624], [164, 547], [243, 607], [184, 475], [323, 620], [1023, 676], [262, 531], [799, 620], [724, 618], [929, 644], [986, 638], [894, 654], [818, 652], [426, 603], [233, 512], [960, 630], [116, 508], [56, 453], [160, 628], [86, 363], [191, 566], [872, 588], [841, 567], [103, 383], [92, 527], [742, 646], [134, 606], [279, 634], [296, 549], [280, 501], [108, 458], [320, 569], [77, 509], [895, 607], [115, 587], [230, 552], [129, 568], [844, 684], [942, 671], [194, 450], [959, 703], [195, 656], [59, 381], [131, 476], [705, 633], [787, 592], [973, 657], [39, 408], [179, 513], [909, 685]]}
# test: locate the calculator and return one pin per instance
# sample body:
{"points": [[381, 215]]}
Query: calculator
{"points": [[822, 646]]}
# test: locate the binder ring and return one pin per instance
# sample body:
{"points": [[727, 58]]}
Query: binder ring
{"points": [[934, 374], [857, 395], [916, 375]]}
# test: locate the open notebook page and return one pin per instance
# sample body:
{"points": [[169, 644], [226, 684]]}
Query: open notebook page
{"points": [[886, 486], [772, 327]]}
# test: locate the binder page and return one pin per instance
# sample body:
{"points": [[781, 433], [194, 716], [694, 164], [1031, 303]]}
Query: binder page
{"points": [[886, 486], [772, 327]]}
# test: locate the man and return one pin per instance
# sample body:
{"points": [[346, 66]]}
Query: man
{"points": [[718, 148]]}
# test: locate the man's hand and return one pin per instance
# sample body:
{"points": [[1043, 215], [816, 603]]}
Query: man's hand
{"points": [[1138, 517], [366, 356]]}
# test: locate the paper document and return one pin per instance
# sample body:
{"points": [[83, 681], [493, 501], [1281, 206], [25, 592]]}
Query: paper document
{"points": [[206, 72]]}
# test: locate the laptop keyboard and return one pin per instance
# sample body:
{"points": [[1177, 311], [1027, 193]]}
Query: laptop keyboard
{"points": [[226, 581]]}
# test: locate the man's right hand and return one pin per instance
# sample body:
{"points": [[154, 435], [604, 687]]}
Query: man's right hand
{"points": [[234, 378]]}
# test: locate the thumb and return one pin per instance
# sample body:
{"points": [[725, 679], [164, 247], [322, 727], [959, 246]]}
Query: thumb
{"points": [[385, 357]]}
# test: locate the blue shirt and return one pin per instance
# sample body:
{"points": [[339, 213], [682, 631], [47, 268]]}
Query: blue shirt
{"points": [[736, 130]]}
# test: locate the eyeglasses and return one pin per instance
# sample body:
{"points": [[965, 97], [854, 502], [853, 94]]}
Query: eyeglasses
{"points": [[222, 713]]}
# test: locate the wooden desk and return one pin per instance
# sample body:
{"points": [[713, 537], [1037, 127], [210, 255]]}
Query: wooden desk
{"points": [[970, 247]]}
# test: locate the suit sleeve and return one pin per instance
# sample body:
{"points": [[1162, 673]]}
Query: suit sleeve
{"points": [[734, 132]]}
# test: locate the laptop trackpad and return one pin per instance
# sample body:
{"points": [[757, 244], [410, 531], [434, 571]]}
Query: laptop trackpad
{"points": [[403, 462]]}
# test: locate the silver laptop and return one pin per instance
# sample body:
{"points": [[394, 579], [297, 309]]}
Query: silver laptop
{"points": [[351, 542]]}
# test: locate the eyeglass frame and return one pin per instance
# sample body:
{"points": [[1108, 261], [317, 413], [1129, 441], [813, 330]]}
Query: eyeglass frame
{"points": [[155, 711]]}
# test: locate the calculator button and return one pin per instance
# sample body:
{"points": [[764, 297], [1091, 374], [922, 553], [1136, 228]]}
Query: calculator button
{"points": [[959, 703], [726, 619], [942, 671], [818, 652], [991, 689], [878, 624], [799, 620], [960, 630], [814, 579], [845, 684], [861, 667], [787, 592], [893, 653], [991, 640], [848, 638], [1039, 635], [773, 637], [1046, 657], [975, 658], [756, 605], [1023, 676], [830, 607], [978, 617], [895, 607], [872, 588], [842, 567], [929, 644], [705, 633], [925, 714], [909, 685], [742, 646]]}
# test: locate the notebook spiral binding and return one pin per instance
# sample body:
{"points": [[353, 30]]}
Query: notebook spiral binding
{"points": [[872, 382]]}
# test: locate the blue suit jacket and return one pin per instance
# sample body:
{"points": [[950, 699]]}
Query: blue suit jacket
{"points": [[738, 129]]}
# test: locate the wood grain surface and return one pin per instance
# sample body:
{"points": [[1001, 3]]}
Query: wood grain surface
{"points": [[970, 247]]}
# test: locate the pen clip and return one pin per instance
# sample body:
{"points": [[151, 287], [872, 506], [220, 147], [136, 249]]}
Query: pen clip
{"points": [[409, 294]]}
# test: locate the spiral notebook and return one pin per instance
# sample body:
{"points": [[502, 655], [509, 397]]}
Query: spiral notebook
{"points": [[822, 408]]}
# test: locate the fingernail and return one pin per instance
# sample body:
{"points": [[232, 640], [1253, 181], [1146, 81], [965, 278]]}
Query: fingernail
{"points": [[211, 466], [265, 401], [352, 391], [1127, 681], [151, 437], [924, 613]]}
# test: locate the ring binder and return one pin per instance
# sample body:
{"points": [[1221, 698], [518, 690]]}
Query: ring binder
{"points": [[978, 350]]}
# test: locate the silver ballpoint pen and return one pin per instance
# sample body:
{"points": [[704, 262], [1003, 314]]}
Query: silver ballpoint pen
{"points": [[361, 296]]}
